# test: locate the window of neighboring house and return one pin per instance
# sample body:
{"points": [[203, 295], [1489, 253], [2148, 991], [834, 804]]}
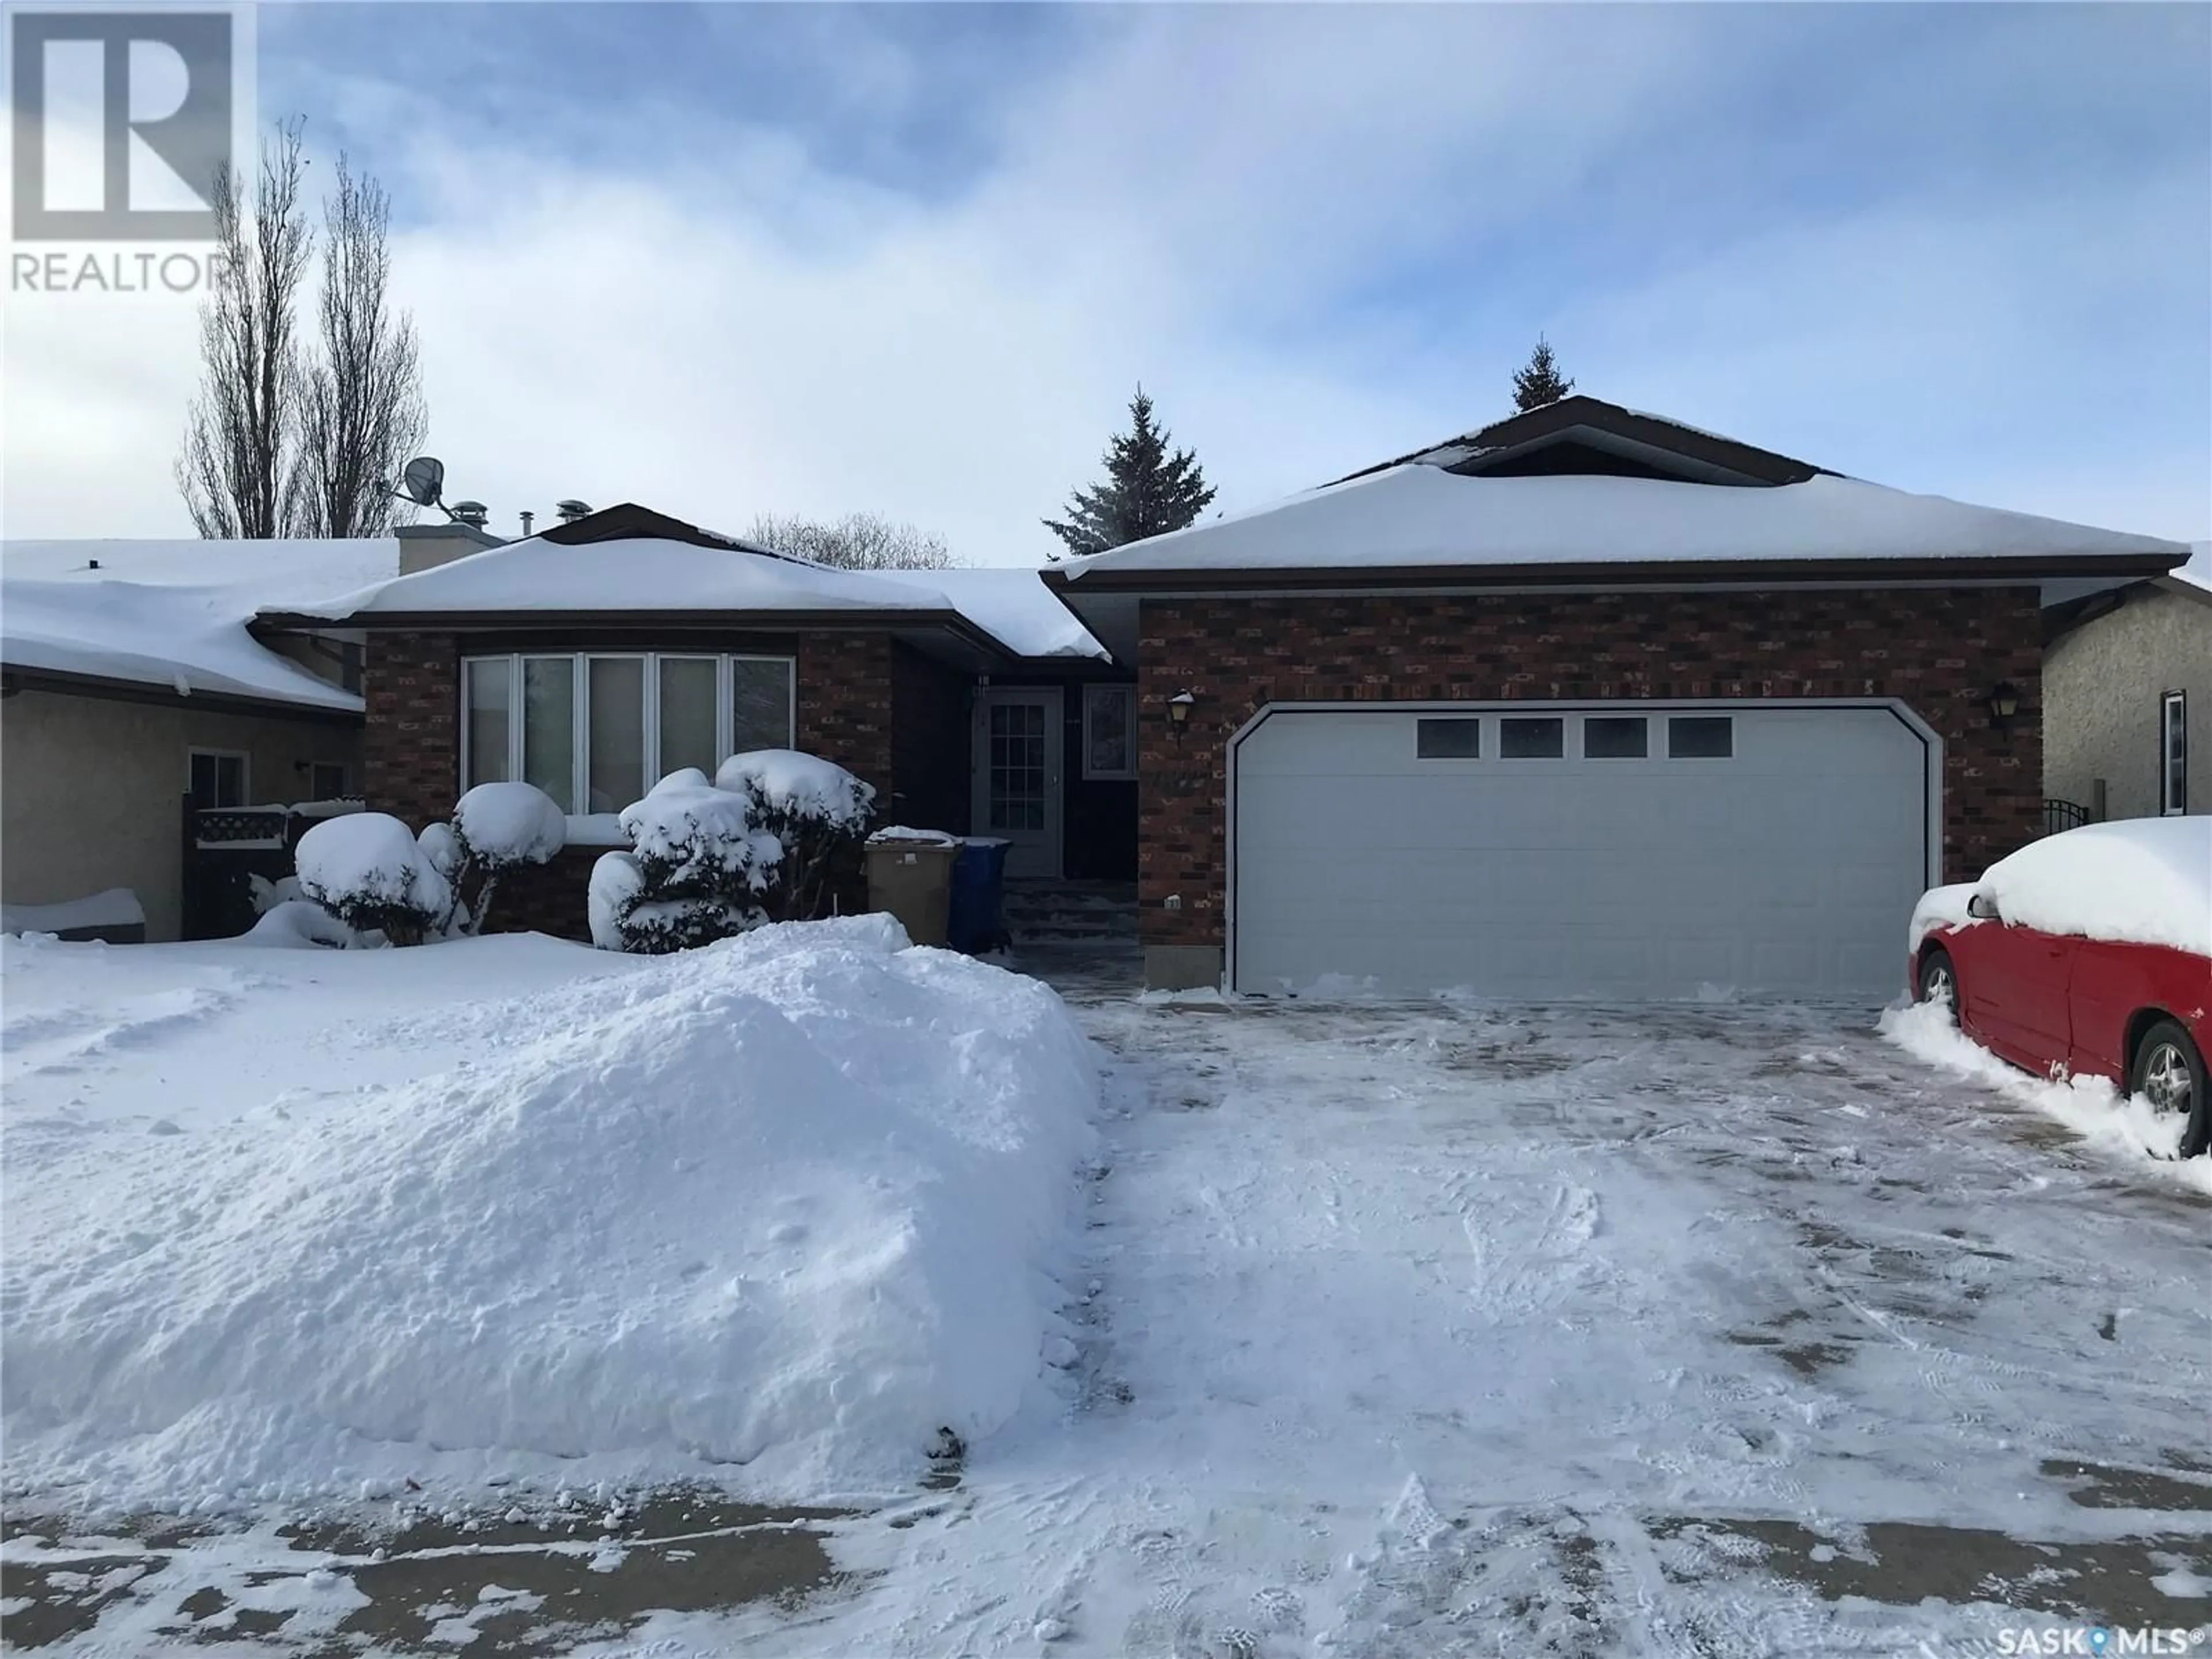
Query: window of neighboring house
{"points": [[595, 731], [2173, 753], [1532, 737], [216, 777], [327, 780], [1109, 735]]}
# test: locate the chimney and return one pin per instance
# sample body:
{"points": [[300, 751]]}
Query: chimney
{"points": [[471, 514], [423, 545], [527, 518], [571, 510]]}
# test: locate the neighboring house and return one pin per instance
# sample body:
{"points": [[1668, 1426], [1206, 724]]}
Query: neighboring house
{"points": [[129, 684], [2127, 697], [596, 657], [1586, 702]]}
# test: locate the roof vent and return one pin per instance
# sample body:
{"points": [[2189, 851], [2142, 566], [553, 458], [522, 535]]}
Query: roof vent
{"points": [[571, 510], [471, 514]]}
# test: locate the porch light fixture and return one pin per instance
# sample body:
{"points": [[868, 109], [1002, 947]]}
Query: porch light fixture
{"points": [[1179, 707], [2004, 704]]}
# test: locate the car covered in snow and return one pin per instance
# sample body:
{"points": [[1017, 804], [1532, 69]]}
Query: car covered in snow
{"points": [[2088, 953]]}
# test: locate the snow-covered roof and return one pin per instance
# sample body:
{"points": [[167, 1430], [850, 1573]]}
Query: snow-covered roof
{"points": [[1421, 515], [658, 575], [1013, 605], [173, 613]]}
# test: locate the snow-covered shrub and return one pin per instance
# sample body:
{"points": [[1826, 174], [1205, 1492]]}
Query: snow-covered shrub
{"points": [[819, 814], [442, 848], [497, 828], [267, 895], [695, 872], [367, 869]]}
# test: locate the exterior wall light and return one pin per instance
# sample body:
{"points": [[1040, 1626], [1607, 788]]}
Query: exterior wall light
{"points": [[1179, 707], [2004, 704]]}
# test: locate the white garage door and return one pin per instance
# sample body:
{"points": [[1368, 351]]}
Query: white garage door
{"points": [[1600, 851]]}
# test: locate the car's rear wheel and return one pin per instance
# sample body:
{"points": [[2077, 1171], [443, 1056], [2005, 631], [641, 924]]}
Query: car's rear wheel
{"points": [[2169, 1074], [1939, 980]]}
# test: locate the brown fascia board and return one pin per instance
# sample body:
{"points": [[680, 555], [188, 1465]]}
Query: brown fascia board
{"points": [[1521, 432], [759, 621], [1662, 574], [64, 681]]}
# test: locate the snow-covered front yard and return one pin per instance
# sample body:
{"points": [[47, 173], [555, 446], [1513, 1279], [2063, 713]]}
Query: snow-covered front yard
{"points": [[1405, 1331]]}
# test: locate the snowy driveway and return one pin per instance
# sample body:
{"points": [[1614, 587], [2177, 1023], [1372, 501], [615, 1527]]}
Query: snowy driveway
{"points": [[1421, 1331], [1424, 1331]]}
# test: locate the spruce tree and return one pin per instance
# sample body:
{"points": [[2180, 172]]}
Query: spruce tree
{"points": [[1539, 383], [1147, 491]]}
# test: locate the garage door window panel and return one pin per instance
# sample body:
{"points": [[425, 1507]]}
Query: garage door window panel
{"points": [[1700, 736], [1523, 737], [1616, 737], [1447, 739]]}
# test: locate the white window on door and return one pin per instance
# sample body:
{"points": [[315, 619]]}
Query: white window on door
{"points": [[327, 780], [2173, 754], [216, 778], [1109, 731]]}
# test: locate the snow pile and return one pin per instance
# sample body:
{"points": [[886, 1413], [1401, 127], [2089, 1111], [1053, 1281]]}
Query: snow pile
{"points": [[293, 924], [117, 907], [788, 780], [370, 860], [2092, 1107], [510, 823], [772, 1214], [2142, 881]]}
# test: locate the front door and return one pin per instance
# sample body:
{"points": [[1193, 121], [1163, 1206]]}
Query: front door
{"points": [[1019, 743]]}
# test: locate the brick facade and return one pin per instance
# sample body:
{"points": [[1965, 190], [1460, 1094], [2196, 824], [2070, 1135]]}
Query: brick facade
{"points": [[1939, 651], [410, 741]]}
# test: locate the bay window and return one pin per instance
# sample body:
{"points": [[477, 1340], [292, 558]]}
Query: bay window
{"points": [[596, 730]]}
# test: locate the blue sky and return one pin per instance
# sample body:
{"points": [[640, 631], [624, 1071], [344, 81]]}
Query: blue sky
{"points": [[733, 259]]}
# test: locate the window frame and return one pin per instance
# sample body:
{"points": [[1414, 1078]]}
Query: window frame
{"points": [[1558, 721], [1127, 694], [2173, 754], [344, 774], [579, 707], [245, 775]]}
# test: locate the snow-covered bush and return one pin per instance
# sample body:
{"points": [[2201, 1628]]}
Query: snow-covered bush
{"points": [[498, 828], [367, 869], [694, 871], [819, 814]]}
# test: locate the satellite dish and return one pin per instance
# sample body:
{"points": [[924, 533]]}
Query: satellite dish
{"points": [[424, 480]]}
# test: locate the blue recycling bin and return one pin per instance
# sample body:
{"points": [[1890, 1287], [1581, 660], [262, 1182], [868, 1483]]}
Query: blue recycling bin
{"points": [[974, 922]]}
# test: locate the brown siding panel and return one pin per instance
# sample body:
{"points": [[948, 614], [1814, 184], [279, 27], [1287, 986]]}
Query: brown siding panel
{"points": [[1938, 650]]}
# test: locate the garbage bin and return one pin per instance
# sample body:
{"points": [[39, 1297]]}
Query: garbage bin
{"points": [[910, 875], [979, 883]]}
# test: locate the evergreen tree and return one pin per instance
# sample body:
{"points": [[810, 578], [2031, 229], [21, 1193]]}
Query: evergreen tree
{"points": [[1539, 383], [1147, 491]]}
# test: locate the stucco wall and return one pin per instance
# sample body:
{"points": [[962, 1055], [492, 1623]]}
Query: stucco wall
{"points": [[92, 789], [2101, 689]]}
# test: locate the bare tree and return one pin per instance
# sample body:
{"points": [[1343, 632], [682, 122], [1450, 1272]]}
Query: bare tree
{"points": [[858, 541], [239, 435], [361, 405]]}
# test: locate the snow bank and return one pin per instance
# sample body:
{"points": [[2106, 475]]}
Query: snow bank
{"points": [[509, 824], [771, 1213], [799, 783], [117, 907], [2145, 881], [371, 856], [2119, 1125], [296, 924]]}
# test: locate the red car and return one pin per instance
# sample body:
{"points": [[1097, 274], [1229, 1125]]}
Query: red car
{"points": [[2087, 954]]}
